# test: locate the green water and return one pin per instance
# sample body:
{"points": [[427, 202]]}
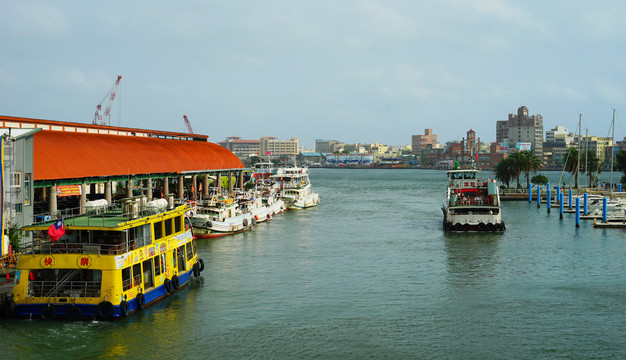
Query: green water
{"points": [[370, 274]]}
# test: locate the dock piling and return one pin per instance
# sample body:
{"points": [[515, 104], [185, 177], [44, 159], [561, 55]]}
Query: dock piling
{"points": [[548, 199], [577, 212], [570, 199], [538, 196], [586, 203], [561, 206], [604, 209], [530, 193]]}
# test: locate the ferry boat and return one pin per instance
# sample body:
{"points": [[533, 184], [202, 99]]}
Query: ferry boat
{"points": [[106, 264], [262, 171], [220, 216], [472, 204], [266, 201], [296, 187]]}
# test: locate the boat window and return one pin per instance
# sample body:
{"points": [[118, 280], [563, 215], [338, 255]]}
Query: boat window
{"points": [[457, 175], [187, 222], [157, 265], [174, 257], [178, 224], [140, 236], [158, 230], [137, 274], [127, 283], [168, 226], [470, 175], [148, 279], [74, 283], [180, 251], [195, 248], [189, 251]]}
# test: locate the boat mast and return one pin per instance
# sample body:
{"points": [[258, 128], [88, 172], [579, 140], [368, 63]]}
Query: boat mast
{"points": [[588, 177], [580, 118], [612, 151]]}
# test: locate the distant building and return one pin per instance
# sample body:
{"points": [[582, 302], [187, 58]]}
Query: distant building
{"points": [[241, 147], [523, 128], [502, 131], [269, 145], [327, 146], [419, 142], [310, 158], [597, 144]]}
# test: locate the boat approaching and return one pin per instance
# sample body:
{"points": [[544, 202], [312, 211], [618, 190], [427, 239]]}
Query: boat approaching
{"points": [[472, 204]]}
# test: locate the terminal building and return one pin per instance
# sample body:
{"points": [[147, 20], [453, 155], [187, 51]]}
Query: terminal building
{"points": [[52, 168]]}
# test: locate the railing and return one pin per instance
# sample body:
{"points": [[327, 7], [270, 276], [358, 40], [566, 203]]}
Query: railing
{"points": [[75, 289], [78, 248], [474, 202]]}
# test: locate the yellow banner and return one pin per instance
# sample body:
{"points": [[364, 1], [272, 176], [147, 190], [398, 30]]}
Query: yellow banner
{"points": [[68, 190]]}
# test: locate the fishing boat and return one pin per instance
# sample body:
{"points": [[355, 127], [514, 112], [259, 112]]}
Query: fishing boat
{"points": [[105, 264], [472, 204], [220, 216], [266, 201], [296, 188]]}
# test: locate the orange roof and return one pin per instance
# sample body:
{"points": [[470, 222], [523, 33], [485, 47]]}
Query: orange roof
{"points": [[65, 155]]}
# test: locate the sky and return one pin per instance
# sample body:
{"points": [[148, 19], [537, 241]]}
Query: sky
{"points": [[353, 71]]}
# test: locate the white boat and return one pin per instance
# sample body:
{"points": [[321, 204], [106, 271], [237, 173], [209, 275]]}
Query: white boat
{"points": [[296, 188], [218, 217], [266, 201], [472, 204]]}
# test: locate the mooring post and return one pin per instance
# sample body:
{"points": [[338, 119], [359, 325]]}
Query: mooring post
{"points": [[548, 194], [538, 196], [561, 206], [570, 199], [586, 202], [604, 205], [577, 212], [530, 193]]}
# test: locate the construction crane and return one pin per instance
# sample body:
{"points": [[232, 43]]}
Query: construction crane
{"points": [[189, 129], [105, 119]]}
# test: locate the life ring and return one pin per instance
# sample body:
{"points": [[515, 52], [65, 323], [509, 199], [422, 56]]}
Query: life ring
{"points": [[73, 312], [175, 282], [490, 227], [168, 285], [141, 301], [105, 310], [269, 217], [196, 270], [201, 262], [482, 226], [466, 227], [256, 217], [245, 222], [48, 312], [124, 308], [458, 227]]}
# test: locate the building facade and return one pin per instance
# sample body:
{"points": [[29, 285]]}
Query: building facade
{"points": [[241, 147], [524, 128], [270, 145], [419, 142]]}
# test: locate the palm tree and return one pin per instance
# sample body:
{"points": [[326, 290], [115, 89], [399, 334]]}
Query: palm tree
{"points": [[517, 165], [530, 162], [503, 171], [571, 164], [592, 165]]}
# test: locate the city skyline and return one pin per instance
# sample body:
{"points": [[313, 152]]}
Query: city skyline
{"points": [[366, 72]]}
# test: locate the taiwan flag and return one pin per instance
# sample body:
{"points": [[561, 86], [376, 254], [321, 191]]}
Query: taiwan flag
{"points": [[56, 230]]}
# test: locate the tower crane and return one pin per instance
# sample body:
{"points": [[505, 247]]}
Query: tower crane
{"points": [[98, 116], [189, 129]]}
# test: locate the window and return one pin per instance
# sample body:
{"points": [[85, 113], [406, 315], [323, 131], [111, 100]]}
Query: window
{"points": [[181, 258], [158, 230], [126, 279], [18, 208], [189, 251], [26, 188], [17, 179], [178, 221], [168, 226], [137, 274], [148, 279]]}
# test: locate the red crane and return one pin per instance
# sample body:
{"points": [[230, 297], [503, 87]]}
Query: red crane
{"points": [[98, 118], [189, 129]]}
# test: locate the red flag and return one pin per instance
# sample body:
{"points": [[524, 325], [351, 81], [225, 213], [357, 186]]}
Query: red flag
{"points": [[56, 230]]}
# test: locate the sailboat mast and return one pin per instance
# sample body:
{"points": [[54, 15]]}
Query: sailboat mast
{"points": [[612, 149], [580, 119]]}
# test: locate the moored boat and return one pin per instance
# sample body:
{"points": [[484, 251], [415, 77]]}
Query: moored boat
{"points": [[296, 188], [106, 264], [220, 216], [472, 204]]}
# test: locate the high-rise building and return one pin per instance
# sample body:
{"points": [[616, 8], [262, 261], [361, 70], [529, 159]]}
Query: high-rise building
{"points": [[241, 147], [523, 128], [419, 142]]}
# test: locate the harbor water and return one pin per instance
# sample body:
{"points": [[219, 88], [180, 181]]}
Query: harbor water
{"points": [[369, 273]]}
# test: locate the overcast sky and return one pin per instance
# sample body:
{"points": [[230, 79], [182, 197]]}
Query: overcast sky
{"points": [[353, 71]]}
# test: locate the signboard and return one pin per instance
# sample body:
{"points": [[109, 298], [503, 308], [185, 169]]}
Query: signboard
{"points": [[523, 146], [68, 190]]}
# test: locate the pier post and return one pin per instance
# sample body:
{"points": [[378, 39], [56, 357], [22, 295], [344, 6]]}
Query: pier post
{"points": [[108, 191], [619, 187], [52, 203], [577, 212], [129, 187], [219, 183], [205, 186], [149, 189], [194, 186], [241, 180], [230, 182], [548, 200], [181, 187], [558, 195], [570, 199], [604, 209], [83, 198], [585, 207], [530, 193], [561, 206], [538, 196], [166, 186]]}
